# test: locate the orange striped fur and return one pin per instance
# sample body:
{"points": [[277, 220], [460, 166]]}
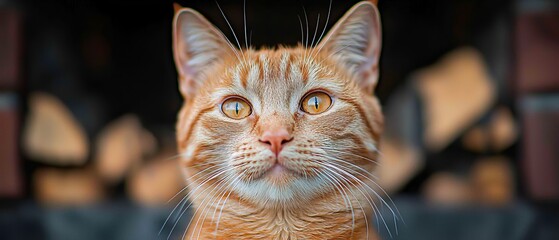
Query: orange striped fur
{"points": [[326, 188]]}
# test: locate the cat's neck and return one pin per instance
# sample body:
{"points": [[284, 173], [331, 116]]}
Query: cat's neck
{"points": [[324, 218]]}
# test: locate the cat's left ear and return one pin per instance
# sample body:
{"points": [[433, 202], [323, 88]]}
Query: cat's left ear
{"points": [[355, 40], [197, 46]]}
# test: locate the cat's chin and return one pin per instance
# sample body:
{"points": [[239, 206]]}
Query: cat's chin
{"points": [[281, 187]]}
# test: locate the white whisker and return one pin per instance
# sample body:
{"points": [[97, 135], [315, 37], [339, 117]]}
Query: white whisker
{"points": [[326, 24], [374, 205], [396, 213], [185, 197], [315, 30], [228, 24], [223, 205], [307, 24], [208, 195], [338, 184], [302, 32], [220, 193], [360, 205], [191, 202], [245, 21], [337, 150]]}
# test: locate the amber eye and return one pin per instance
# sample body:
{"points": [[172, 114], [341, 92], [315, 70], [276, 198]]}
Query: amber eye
{"points": [[316, 102], [236, 108]]}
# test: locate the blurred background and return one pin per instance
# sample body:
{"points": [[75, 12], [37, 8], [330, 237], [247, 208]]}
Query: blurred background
{"points": [[88, 99]]}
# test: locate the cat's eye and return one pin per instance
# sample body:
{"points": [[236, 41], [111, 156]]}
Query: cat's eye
{"points": [[316, 102], [236, 108]]}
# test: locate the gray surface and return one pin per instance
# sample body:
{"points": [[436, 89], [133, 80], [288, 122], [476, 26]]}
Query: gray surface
{"points": [[423, 221], [124, 220]]}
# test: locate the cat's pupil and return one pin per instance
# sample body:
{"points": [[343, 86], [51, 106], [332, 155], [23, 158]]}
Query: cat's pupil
{"points": [[237, 108], [316, 102]]}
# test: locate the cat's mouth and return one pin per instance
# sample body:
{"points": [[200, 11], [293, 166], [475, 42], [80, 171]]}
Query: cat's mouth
{"points": [[277, 170], [279, 174]]}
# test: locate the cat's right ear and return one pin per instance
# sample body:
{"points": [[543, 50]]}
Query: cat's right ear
{"points": [[197, 45]]}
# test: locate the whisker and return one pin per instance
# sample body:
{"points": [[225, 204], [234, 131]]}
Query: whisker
{"points": [[395, 213], [307, 24], [223, 205], [228, 24], [315, 29], [188, 180], [324, 29], [217, 196], [352, 154], [192, 202], [360, 205], [359, 181], [214, 187], [376, 184], [349, 163], [302, 32], [327, 19], [348, 201], [184, 198], [245, 21], [334, 187], [181, 203], [234, 35]]}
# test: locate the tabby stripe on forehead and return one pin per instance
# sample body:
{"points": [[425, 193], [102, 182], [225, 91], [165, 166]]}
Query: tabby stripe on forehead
{"points": [[295, 72], [253, 74], [260, 68], [264, 66], [304, 72], [285, 64], [237, 78], [244, 72]]}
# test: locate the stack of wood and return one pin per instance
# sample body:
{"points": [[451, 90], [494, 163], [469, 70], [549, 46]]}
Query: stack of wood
{"points": [[76, 171], [452, 96]]}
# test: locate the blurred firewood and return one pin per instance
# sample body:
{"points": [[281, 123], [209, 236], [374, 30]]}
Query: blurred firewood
{"points": [[398, 163], [121, 145], [67, 187], [456, 91], [489, 182], [448, 189], [503, 129], [493, 181], [156, 182], [499, 134], [51, 134]]}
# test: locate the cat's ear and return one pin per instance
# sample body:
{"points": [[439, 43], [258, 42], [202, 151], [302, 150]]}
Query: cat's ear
{"points": [[355, 40], [197, 45]]}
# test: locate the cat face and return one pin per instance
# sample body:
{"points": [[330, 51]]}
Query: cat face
{"points": [[283, 125]]}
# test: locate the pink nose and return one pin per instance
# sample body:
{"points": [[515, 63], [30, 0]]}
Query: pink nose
{"points": [[276, 139]]}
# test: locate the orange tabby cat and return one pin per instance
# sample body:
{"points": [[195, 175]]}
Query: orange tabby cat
{"points": [[280, 143]]}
